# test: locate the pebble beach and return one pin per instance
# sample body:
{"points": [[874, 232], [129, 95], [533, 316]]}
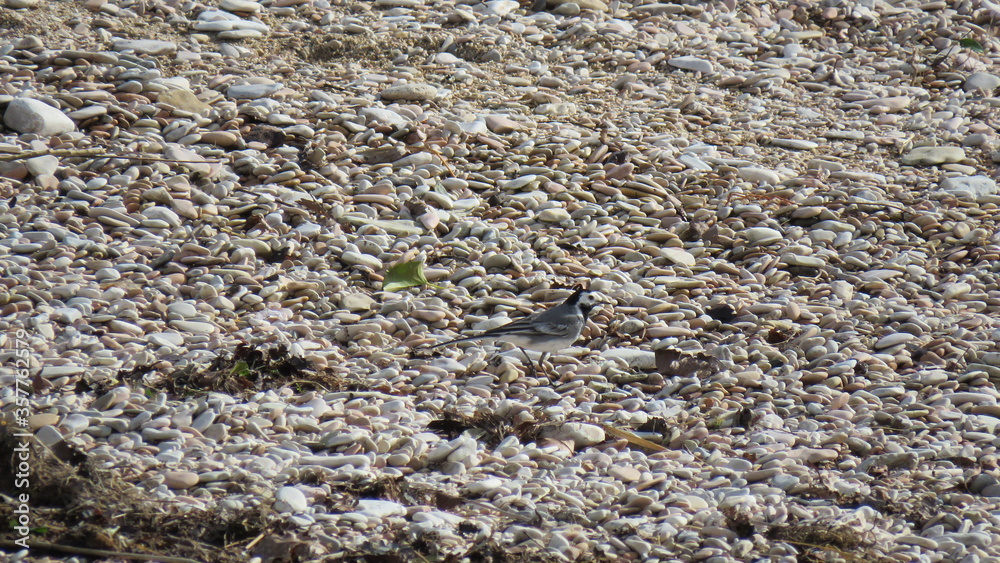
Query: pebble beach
{"points": [[791, 208]]}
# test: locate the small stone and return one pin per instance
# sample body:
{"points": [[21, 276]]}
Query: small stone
{"points": [[66, 315], [956, 290], [501, 8], [28, 115], [691, 63], [361, 259], [581, 434], [484, 486], [384, 117], [145, 46], [560, 109], [357, 302], [182, 309], [290, 499], [795, 144], [246, 6], [87, 113], [170, 339], [804, 261], [180, 479], [410, 92], [239, 34], [36, 421], [163, 214], [970, 186], [634, 358], [501, 125], [568, 9], [446, 59], [21, 4], [185, 208], [110, 399], [762, 236], [890, 104], [980, 482], [657, 9], [108, 275], [893, 340], [379, 509], [624, 473], [979, 540], [188, 159], [251, 91], [74, 424], [678, 256], [931, 156], [759, 175], [594, 5], [823, 164], [194, 327], [45, 164], [381, 155], [48, 436], [983, 81], [414, 160], [224, 139], [184, 100], [554, 215], [784, 482]]}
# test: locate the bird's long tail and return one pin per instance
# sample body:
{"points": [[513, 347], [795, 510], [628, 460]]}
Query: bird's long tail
{"points": [[456, 340]]}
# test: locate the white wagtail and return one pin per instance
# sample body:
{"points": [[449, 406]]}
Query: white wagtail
{"points": [[548, 331]]}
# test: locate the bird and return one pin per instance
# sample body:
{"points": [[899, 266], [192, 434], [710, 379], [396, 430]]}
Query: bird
{"points": [[548, 331]]}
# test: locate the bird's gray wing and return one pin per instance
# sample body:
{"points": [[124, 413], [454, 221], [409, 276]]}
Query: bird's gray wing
{"points": [[553, 329], [519, 326], [524, 325]]}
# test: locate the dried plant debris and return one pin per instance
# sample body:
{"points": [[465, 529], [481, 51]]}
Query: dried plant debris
{"points": [[403, 546], [828, 541], [80, 507], [489, 427], [671, 362], [248, 369]]}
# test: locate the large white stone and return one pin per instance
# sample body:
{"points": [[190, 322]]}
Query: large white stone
{"points": [[146, 46], [290, 499], [694, 64], [970, 186], [28, 115]]}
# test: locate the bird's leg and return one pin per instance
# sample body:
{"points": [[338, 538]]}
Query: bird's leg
{"points": [[541, 362], [531, 364]]}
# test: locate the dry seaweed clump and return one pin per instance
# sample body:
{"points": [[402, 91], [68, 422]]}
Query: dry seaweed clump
{"points": [[824, 541], [77, 507], [364, 47], [246, 370], [489, 426], [401, 545]]}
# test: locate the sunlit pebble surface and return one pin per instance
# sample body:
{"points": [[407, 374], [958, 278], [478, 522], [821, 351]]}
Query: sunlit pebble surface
{"points": [[825, 170]]}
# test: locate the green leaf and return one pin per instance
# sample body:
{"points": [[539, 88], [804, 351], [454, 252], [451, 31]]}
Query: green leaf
{"points": [[970, 43], [40, 530], [402, 276], [241, 369]]}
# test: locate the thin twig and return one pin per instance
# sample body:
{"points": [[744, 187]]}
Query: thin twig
{"points": [[53, 152], [96, 152], [255, 540], [9, 544]]}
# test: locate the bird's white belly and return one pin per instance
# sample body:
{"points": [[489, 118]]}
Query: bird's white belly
{"points": [[550, 345]]}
